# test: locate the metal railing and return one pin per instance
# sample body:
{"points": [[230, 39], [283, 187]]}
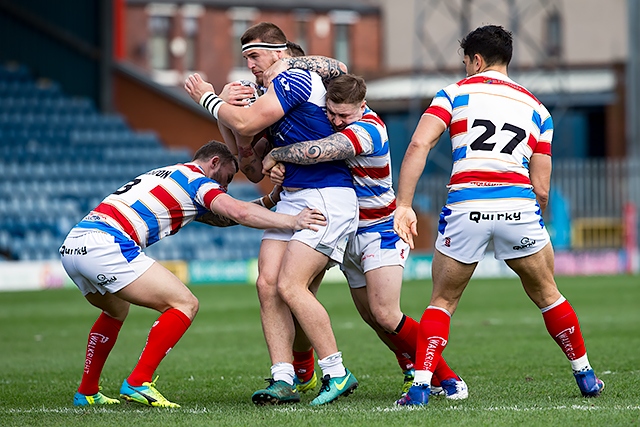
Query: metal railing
{"points": [[587, 201]]}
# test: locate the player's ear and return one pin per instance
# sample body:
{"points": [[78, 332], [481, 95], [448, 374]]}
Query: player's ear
{"points": [[214, 163]]}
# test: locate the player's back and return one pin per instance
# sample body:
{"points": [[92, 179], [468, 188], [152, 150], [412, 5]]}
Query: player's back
{"points": [[302, 96], [158, 203], [495, 126]]}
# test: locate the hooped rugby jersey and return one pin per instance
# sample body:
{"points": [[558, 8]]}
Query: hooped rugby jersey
{"points": [[495, 126], [371, 171], [156, 204], [302, 96]]}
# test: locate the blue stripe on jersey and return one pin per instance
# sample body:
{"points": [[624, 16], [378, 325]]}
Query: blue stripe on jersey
{"points": [[537, 120], [525, 163], [461, 101], [386, 226], [442, 222], [543, 126], [459, 153], [502, 192], [191, 187], [371, 190], [442, 94], [375, 138], [150, 219], [129, 249]]}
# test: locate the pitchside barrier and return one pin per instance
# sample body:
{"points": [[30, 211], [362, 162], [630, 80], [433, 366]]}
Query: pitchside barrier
{"points": [[36, 275]]}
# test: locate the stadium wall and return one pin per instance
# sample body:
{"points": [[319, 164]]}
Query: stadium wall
{"points": [[37, 275]]}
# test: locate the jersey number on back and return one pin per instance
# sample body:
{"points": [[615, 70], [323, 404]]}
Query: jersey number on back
{"points": [[490, 130], [127, 186]]}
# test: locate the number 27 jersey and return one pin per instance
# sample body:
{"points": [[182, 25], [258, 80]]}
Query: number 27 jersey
{"points": [[495, 127]]}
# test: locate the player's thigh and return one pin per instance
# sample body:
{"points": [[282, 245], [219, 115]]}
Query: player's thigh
{"points": [[300, 266], [384, 286], [270, 258], [160, 289], [111, 304], [536, 274]]}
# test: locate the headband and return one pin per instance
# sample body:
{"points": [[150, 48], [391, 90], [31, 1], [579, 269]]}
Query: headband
{"points": [[265, 46]]}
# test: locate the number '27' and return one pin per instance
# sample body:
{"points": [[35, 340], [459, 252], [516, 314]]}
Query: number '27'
{"points": [[490, 130]]}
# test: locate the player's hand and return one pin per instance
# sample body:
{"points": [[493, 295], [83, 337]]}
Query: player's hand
{"points": [[277, 174], [310, 218], [268, 163], [405, 223], [235, 93], [270, 73], [196, 87]]}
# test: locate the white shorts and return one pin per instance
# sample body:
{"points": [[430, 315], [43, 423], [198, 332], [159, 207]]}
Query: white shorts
{"points": [[98, 261], [369, 251], [465, 235], [339, 205]]}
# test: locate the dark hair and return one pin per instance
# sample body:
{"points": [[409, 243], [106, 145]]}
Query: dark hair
{"points": [[215, 148], [346, 89], [492, 42], [295, 49], [265, 32]]}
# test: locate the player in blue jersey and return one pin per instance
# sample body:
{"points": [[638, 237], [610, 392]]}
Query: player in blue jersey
{"points": [[501, 143], [293, 110], [375, 259], [103, 255]]}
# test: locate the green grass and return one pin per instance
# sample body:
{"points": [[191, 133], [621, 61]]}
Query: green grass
{"points": [[515, 372]]}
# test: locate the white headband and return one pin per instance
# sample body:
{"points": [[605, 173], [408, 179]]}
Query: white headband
{"points": [[265, 46]]}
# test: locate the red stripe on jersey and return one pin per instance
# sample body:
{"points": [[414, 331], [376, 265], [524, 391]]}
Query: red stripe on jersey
{"points": [[377, 212], [194, 168], [353, 138], [374, 118], [440, 113], [372, 172], [458, 127], [113, 213], [172, 205], [489, 177], [532, 143], [543, 148], [492, 81], [211, 195]]}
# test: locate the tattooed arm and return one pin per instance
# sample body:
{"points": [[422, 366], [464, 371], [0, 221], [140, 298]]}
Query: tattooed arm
{"points": [[326, 68], [333, 147]]}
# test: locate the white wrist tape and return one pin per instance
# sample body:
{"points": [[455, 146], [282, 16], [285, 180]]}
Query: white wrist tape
{"points": [[211, 102]]}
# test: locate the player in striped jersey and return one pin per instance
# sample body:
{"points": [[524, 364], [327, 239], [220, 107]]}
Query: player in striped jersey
{"points": [[103, 256], [501, 144], [375, 259]]}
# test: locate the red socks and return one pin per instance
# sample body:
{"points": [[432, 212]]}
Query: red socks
{"points": [[404, 338], [432, 338], [102, 338], [562, 323], [303, 365], [164, 334]]}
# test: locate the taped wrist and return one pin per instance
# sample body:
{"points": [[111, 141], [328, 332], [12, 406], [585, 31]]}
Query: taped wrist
{"points": [[212, 103]]}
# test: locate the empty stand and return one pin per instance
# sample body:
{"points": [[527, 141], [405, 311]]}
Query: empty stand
{"points": [[59, 157]]}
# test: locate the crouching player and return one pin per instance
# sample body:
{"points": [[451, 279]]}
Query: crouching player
{"points": [[103, 256]]}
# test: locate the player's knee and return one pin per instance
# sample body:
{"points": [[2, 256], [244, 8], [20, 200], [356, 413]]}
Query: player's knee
{"points": [[266, 288], [189, 305], [387, 319]]}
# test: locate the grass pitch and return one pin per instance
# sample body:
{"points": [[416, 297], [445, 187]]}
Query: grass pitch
{"points": [[498, 344]]}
